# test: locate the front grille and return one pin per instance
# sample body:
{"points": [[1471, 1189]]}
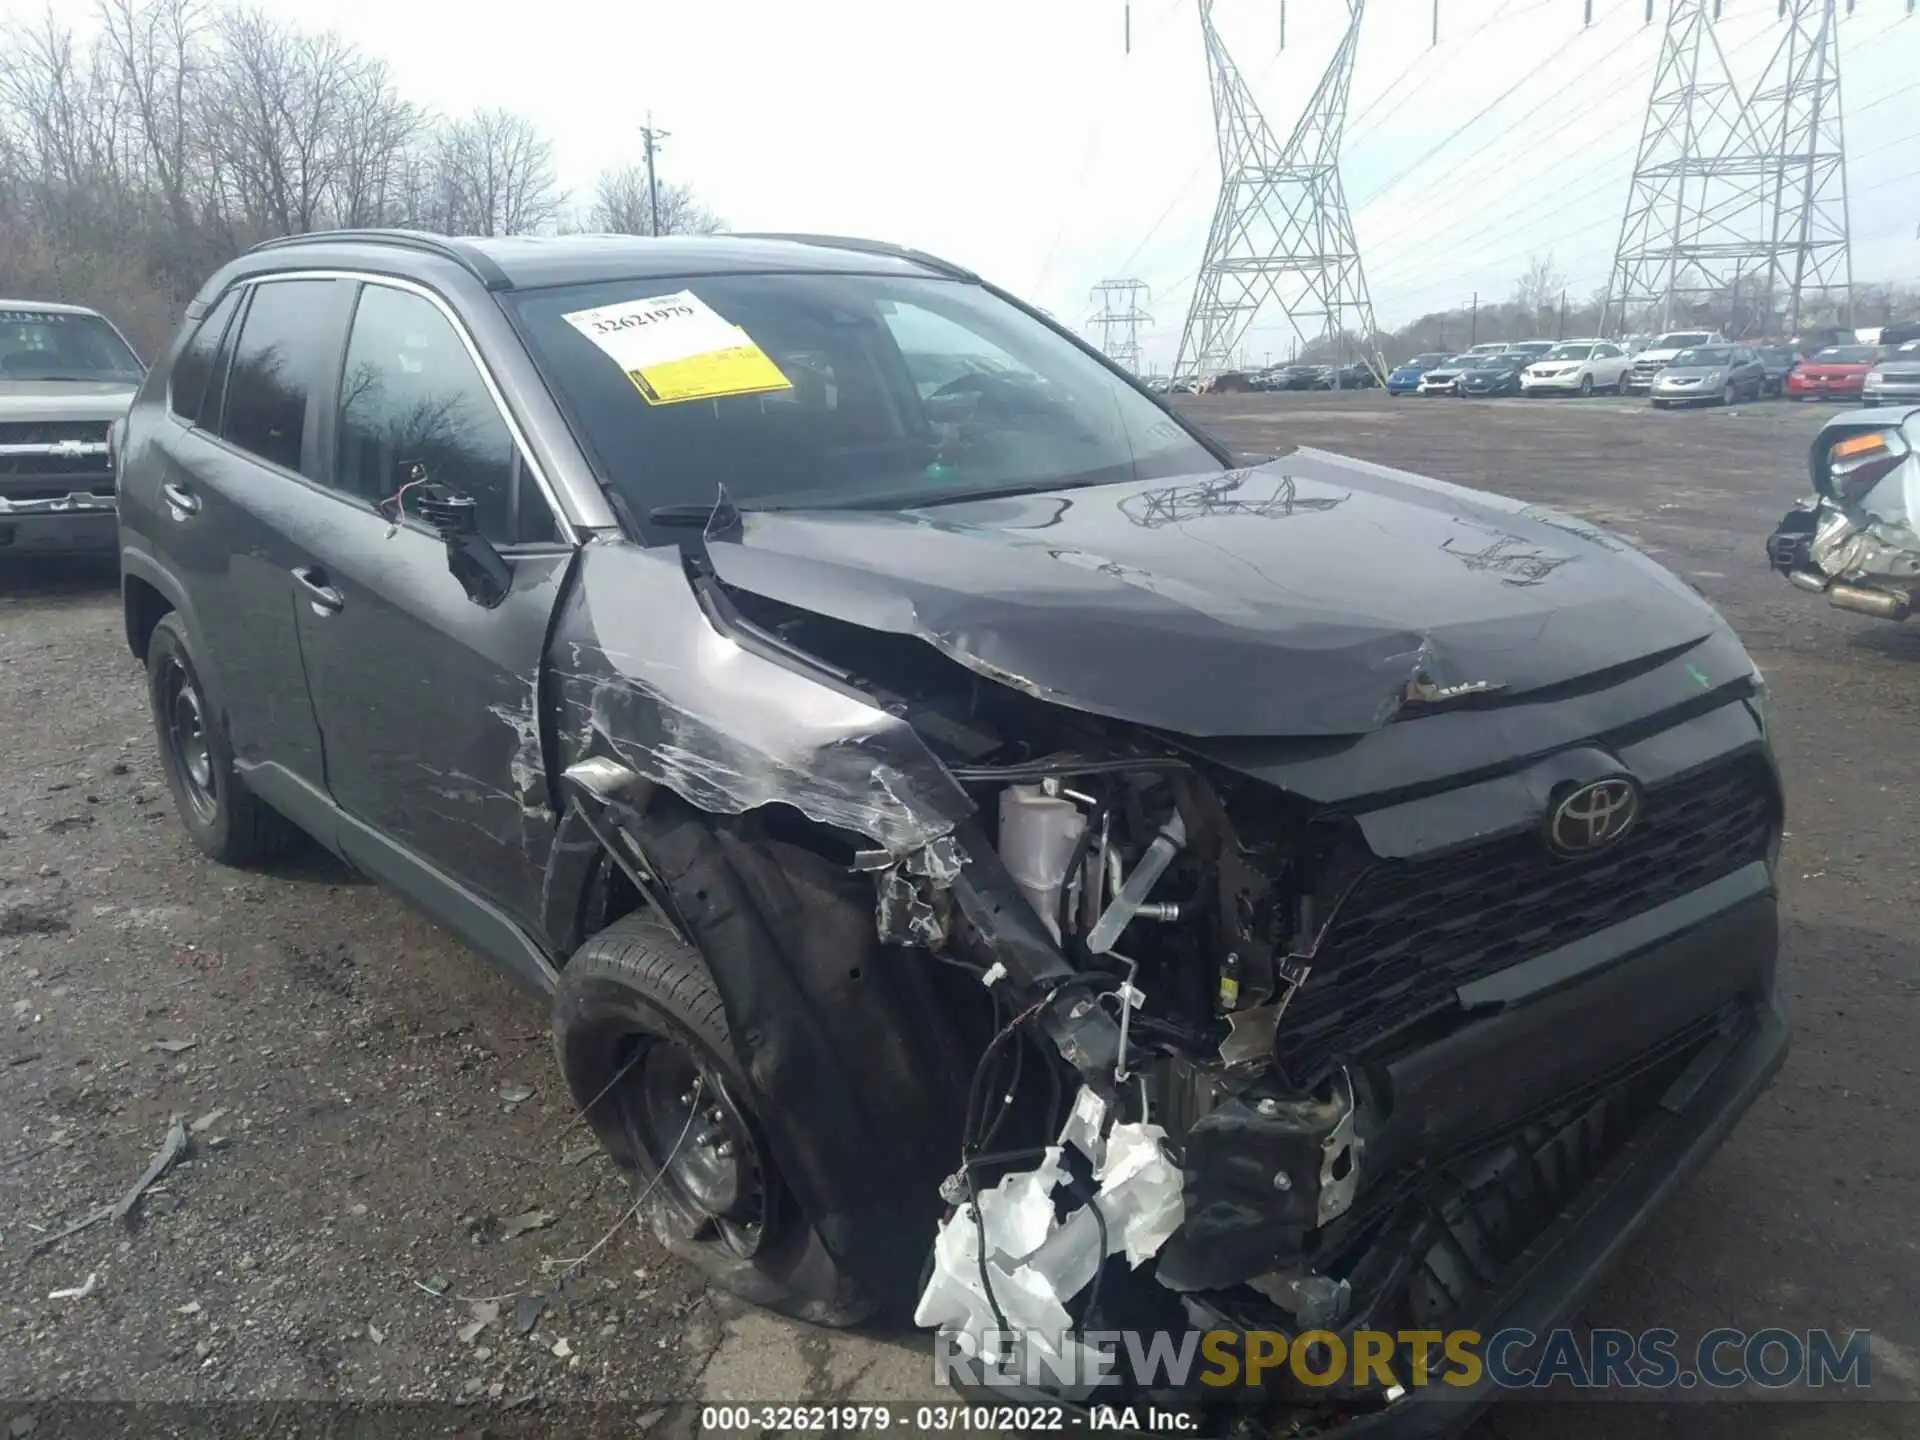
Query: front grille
{"points": [[52, 432], [1413, 931], [1646, 367]]}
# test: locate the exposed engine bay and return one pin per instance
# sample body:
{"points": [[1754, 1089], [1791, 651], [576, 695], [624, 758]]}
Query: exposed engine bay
{"points": [[1215, 1138]]}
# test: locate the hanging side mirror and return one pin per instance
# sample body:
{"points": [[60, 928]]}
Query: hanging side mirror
{"points": [[483, 572]]}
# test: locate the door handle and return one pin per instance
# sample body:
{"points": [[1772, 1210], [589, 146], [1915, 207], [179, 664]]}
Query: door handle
{"points": [[183, 500], [323, 597]]}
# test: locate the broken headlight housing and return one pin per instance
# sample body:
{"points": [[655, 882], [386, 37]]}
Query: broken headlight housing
{"points": [[1847, 468]]}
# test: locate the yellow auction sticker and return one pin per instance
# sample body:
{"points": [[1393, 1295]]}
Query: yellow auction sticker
{"points": [[676, 348]]}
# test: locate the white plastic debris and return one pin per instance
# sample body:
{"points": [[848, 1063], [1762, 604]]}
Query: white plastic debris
{"points": [[1036, 1262], [1139, 1192], [1085, 1122], [77, 1292]]}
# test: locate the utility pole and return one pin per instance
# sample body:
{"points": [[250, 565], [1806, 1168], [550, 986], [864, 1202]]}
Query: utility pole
{"points": [[652, 137], [1561, 334], [1281, 230], [1473, 323], [1119, 319], [1731, 180]]}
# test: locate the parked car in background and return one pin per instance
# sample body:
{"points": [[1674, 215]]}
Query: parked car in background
{"points": [[1444, 378], [1485, 375], [1578, 367], [1778, 361], [1293, 377], [1710, 375], [1658, 355], [66, 375], [1229, 382], [1404, 378], [1634, 344], [1896, 379], [1532, 349], [1356, 376], [1486, 347], [1807, 342], [1838, 372]]}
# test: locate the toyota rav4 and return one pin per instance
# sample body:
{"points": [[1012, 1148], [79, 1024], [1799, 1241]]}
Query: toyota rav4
{"points": [[988, 850]]}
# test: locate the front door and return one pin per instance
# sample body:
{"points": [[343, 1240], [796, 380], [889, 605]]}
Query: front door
{"points": [[427, 700]]}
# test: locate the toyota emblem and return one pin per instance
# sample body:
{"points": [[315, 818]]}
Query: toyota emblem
{"points": [[1594, 816]]}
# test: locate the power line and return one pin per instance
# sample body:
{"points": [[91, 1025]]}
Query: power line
{"points": [[1734, 185], [1119, 319], [1281, 230]]}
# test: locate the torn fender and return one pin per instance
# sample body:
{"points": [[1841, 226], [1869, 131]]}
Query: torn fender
{"points": [[643, 672]]}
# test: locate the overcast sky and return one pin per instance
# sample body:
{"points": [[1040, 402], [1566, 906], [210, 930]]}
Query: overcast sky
{"points": [[1019, 138]]}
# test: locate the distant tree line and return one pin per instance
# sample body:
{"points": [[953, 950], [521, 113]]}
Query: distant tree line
{"points": [[142, 151], [1543, 307]]}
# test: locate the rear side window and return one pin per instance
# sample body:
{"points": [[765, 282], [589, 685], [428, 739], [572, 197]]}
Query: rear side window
{"points": [[187, 386], [276, 363], [411, 395]]}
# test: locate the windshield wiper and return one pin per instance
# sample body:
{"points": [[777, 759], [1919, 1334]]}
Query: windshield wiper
{"points": [[692, 514]]}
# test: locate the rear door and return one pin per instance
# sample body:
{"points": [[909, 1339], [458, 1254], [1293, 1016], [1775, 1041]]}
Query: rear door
{"points": [[427, 699], [240, 438]]}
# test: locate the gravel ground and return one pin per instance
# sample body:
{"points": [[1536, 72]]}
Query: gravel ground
{"points": [[378, 1139]]}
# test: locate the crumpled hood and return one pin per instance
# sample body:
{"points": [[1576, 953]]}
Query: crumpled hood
{"points": [[1299, 597]]}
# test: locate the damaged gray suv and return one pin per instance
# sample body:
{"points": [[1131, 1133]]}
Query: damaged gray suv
{"points": [[990, 852]]}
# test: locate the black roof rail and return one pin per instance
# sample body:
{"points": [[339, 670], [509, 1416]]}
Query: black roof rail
{"points": [[869, 247], [480, 266]]}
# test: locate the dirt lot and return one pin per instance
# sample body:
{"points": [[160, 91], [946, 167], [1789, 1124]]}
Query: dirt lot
{"points": [[364, 1147]]}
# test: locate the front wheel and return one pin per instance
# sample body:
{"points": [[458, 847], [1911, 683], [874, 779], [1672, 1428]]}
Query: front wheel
{"points": [[1623, 387], [1729, 394], [642, 1040], [1586, 386], [1659, 404]]}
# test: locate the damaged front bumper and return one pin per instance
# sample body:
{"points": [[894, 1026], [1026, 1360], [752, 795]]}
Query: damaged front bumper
{"points": [[1501, 1211]]}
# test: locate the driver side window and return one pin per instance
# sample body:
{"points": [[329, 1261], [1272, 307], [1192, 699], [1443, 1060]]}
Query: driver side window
{"points": [[410, 395]]}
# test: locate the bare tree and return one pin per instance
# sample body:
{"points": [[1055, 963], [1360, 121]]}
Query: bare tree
{"points": [[1539, 285], [495, 176], [623, 205]]}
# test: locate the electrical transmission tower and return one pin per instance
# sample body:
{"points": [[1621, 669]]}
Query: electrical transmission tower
{"points": [[1281, 230], [1119, 319], [1738, 208]]}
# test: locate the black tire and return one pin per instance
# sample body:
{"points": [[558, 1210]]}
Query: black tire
{"points": [[1624, 387], [1729, 395], [1586, 386], [225, 819], [1659, 404], [635, 990]]}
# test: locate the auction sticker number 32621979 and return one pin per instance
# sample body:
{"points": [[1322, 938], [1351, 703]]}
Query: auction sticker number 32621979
{"points": [[676, 348]]}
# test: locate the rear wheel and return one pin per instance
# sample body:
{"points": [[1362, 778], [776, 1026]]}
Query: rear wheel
{"points": [[221, 815], [642, 1040]]}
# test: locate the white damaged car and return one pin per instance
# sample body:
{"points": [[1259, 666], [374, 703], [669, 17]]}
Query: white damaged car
{"points": [[1857, 539]]}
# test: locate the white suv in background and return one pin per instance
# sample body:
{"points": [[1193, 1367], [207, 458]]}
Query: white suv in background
{"points": [[1578, 367]]}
